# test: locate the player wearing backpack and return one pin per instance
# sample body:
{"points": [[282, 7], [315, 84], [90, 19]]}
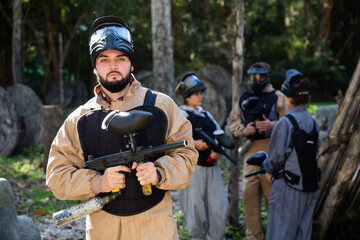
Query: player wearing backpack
{"points": [[292, 165]]}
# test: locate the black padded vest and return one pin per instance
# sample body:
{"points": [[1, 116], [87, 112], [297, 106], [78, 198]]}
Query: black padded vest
{"points": [[266, 105], [99, 142]]}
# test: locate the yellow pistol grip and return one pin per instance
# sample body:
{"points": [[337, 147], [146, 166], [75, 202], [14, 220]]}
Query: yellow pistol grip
{"points": [[146, 189]]}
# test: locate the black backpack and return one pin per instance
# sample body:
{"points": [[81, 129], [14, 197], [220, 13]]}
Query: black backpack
{"points": [[306, 147]]}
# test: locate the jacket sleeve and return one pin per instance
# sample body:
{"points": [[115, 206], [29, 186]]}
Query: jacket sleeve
{"points": [[178, 164], [65, 175], [236, 125], [279, 146]]}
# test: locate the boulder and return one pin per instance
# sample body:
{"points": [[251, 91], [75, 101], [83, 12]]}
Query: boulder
{"points": [[13, 227], [8, 124], [325, 116], [75, 94], [216, 99], [28, 108]]}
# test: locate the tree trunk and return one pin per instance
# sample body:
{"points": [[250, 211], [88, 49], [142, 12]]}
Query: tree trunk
{"points": [[50, 36], [324, 27], [162, 44], [61, 66], [280, 16], [210, 21], [16, 43], [52, 117], [339, 158], [238, 64]]}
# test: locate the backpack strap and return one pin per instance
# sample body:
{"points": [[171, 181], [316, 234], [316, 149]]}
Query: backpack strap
{"points": [[150, 98], [293, 121]]}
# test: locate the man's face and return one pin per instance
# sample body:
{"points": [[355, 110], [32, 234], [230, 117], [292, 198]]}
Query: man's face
{"points": [[113, 69]]}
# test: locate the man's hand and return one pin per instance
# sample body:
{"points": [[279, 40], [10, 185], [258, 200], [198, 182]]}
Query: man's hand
{"points": [[265, 125], [112, 178], [268, 176], [146, 173], [250, 129], [199, 145]]}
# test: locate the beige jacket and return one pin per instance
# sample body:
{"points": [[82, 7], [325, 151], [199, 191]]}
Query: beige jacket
{"points": [[236, 124], [68, 179]]}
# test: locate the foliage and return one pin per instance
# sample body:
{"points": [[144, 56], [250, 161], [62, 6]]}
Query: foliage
{"points": [[284, 33], [27, 180], [182, 229], [312, 106]]}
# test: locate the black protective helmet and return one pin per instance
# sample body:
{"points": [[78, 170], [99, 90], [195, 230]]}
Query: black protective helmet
{"points": [[189, 85], [254, 72], [110, 33], [291, 76]]}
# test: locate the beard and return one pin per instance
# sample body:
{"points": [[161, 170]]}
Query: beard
{"points": [[115, 86]]}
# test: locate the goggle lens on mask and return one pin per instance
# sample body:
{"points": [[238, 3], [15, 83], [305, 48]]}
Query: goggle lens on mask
{"points": [[257, 77], [120, 32]]}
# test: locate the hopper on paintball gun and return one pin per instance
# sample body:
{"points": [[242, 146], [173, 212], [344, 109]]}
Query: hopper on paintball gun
{"points": [[249, 105], [257, 160]]}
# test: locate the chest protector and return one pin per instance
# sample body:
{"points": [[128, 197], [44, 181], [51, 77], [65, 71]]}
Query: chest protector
{"points": [[306, 147], [99, 142], [208, 127], [265, 105]]}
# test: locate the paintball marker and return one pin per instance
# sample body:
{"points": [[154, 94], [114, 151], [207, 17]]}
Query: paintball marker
{"points": [[126, 123], [257, 160], [249, 105], [218, 143]]}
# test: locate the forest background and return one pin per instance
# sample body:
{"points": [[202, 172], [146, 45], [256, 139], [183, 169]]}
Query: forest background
{"points": [[318, 37]]}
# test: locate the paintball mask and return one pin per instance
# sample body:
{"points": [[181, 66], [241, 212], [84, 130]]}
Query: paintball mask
{"points": [[291, 76], [258, 78], [110, 32], [191, 84]]}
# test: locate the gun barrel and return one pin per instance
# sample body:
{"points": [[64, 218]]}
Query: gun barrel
{"points": [[215, 145], [262, 170], [71, 214], [127, 157], [211, 142], [162, 148], [90, 206]]}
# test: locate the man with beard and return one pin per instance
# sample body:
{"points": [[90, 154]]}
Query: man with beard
{"points": [[132, 215]]}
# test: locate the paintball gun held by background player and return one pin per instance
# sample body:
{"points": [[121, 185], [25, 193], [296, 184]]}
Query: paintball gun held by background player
{"points": [[256, 122], [218, 144], [257, 160]]}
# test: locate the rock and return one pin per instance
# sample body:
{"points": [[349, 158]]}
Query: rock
{"points": [[28, 108], [325, 116], [75, 94], [13, 227], [8, 124], [218, 96]]}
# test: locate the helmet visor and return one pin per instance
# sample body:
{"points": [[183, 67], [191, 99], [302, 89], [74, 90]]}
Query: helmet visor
{"points": [[121, 32], [190, 81], [259, 78]]}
